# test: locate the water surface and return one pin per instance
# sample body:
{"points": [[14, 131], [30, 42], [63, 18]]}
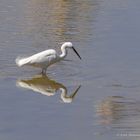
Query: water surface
{"points": [[98, 97]]}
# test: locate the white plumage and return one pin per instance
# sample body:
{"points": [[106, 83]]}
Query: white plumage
{"points": [[46, 58], [37, 59]]}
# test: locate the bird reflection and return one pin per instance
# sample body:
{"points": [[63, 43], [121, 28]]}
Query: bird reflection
{"points": [[46, 86], [68, 98]]}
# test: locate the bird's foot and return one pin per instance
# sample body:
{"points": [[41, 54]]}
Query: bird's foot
{"points": [[43, 72]]}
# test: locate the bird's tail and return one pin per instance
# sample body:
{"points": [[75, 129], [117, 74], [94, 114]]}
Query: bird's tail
{"points": [[21, 61]]}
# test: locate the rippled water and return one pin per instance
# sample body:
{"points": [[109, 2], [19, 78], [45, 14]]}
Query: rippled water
{"points": [[98, 97]]}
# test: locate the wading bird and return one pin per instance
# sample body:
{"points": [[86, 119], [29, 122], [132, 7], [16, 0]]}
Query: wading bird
{"points": [[46, 58]]}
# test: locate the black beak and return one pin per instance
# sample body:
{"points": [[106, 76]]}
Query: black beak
{"points": [[76, 52], [75, 92]]}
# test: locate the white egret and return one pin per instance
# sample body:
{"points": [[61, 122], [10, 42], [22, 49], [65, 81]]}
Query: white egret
{"points": [[46, 58]]}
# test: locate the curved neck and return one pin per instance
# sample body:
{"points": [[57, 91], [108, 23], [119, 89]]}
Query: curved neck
{"points": [[64, 97], [63, 91], [64, 52]]}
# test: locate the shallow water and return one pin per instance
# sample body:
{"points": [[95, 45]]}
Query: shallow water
{"points": [[98, 97]]}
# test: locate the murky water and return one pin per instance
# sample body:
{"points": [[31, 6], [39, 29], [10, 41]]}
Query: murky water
{"points": [[98, 97]]}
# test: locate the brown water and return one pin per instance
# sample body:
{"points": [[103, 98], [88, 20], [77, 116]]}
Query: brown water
{"points": [[98, 97]]}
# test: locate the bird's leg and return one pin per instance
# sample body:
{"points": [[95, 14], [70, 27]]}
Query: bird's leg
{"points": [[43, 71]]}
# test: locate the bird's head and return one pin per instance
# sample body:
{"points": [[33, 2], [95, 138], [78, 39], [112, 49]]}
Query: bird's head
{"points": [[70, 45]]}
